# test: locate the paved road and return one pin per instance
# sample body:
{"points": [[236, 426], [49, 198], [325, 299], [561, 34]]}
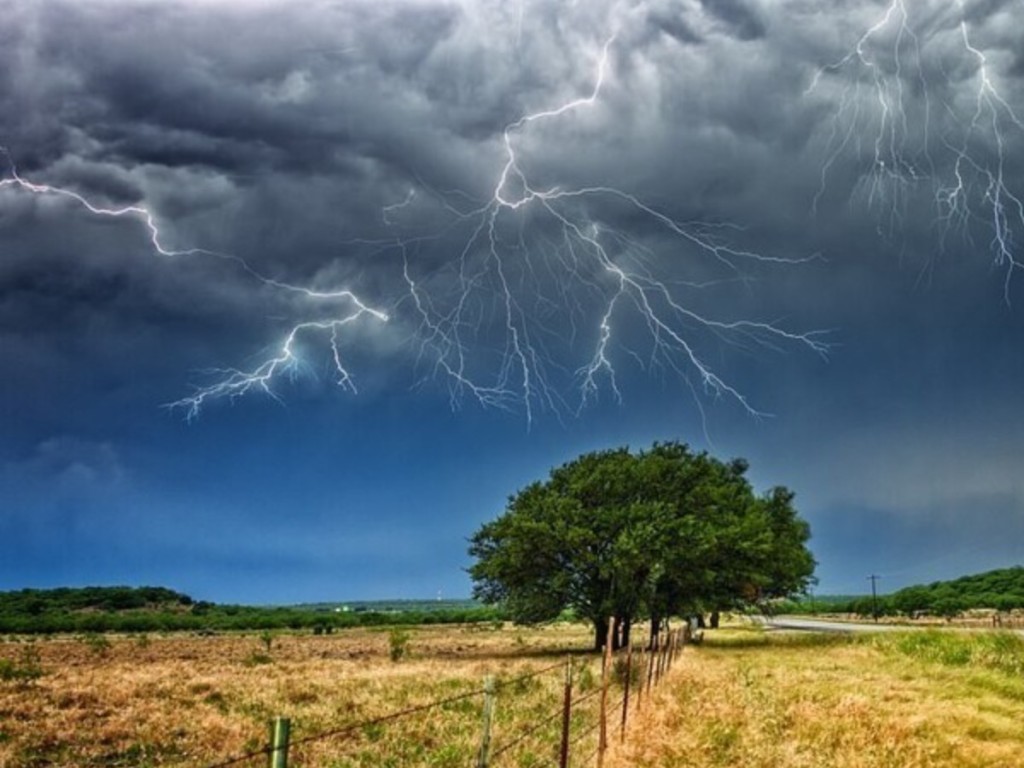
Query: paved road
{"points": [[820, 625]]}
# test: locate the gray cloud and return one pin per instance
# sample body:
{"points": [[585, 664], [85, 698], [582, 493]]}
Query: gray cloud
{"points": [[357, 145], [743, 19], [291, 137]]}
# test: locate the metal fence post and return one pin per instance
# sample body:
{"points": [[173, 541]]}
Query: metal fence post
{"points": [[606, 676], [563, 752], [280, 731], [627, 683]]}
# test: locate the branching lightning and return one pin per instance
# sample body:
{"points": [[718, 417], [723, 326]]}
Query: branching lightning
{"points": [[544, 294], [232, 382], [922, 134], [602, 278]]}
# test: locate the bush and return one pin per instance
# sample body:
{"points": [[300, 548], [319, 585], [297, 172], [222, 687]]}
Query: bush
{"points": [[398, 641], [584, 676], [97, 643], [25, 670], [619, 672]]}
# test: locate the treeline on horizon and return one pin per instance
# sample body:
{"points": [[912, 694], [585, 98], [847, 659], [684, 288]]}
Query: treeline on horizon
{"points": [[157, 609], [1000, 590]]}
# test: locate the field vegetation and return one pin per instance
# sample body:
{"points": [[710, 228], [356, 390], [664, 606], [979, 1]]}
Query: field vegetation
{"points": [[745, 697], [760, 699], [1000, 590], [184, 699], [157, 609]]}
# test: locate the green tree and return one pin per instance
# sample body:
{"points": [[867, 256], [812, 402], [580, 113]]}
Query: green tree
{"points": [[652, 534]]}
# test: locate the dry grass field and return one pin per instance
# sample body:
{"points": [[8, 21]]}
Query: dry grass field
{"points": [[750, 699], [743, 698], [187, 700]]}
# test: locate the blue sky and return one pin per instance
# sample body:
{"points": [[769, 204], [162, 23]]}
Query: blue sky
{"points": [[531, 230]]}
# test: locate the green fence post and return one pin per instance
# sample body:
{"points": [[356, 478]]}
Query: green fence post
{"points": [[280, 731]]}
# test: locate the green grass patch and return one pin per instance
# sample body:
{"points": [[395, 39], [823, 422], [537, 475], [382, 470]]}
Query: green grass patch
{"points": [[998, 651], [759, 638]]}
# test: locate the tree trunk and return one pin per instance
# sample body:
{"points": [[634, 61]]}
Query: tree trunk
{"points": [[655, 629], [620, 632], [715, 618], [600, 633]]}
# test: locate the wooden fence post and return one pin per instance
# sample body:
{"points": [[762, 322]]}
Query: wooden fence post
{"points": [[668, 653], [662, 644], [280, 731], [641, 671], [485, 739], [652, 657], [606, 676], [626, 684], [563, 753]]}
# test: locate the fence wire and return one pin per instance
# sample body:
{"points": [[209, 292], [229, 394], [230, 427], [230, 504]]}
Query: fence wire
{"points": [[662, 655]]}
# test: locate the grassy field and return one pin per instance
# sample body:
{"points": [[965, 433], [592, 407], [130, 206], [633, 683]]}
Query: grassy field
{"points": [[750, 698], [743, 698], [188, 700]]}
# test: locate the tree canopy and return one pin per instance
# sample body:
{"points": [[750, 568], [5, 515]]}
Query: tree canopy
{"points": [[660, 532]]}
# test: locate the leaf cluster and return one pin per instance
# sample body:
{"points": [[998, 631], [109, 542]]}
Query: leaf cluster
{"points": [[658, 532]]}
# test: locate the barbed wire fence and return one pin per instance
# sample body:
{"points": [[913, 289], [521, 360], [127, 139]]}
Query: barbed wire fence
{"points": [[575, 731]]}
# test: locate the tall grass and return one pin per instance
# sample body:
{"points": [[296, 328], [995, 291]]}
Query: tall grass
{"points": [[999, 651], [754, 699]]}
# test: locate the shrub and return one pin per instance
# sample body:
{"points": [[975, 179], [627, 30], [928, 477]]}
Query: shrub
{"points": [[584, 677], [619, 672], [398, 642], [25, 670], [97, 643]]}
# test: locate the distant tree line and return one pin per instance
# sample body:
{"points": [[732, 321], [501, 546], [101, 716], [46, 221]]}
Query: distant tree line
{"points": [[156, 609], [1001, 590]]}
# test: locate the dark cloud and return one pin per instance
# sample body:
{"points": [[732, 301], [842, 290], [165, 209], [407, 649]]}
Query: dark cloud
{"points": [[671, 21], [744, 21], [357, 145]]}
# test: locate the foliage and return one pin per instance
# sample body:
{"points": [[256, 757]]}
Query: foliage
{"points": [[1001, 590], [25, 670], [398, 643], [92, 610], [97, 643], [662, 532]]}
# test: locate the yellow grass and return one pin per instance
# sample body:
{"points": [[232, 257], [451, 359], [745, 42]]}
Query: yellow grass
{"points": [[744, 698], [752, 699], [186, 700]]}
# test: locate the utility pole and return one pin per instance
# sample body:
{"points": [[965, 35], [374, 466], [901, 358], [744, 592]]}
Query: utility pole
{"points": [[874, 596]]}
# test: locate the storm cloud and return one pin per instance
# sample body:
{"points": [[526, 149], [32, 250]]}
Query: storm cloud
{"points": [[586, 224]]}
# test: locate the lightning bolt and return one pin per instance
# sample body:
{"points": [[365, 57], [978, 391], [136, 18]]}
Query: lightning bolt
{"points": [[232, 382], [877, 84], [543, 295], [601, 278]]}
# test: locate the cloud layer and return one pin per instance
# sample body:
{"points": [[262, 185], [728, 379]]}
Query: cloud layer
{"points": [[559, 207]]}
